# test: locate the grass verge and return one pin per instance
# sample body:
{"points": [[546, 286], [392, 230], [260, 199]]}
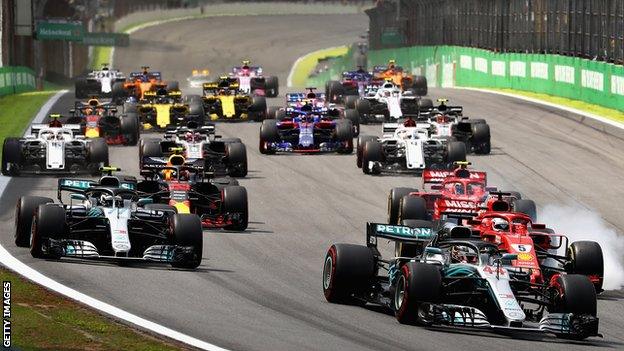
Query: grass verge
{"points": [[42, 320], [101, 55], [304, 66]]}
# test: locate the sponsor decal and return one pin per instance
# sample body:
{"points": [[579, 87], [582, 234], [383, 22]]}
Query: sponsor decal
{"points": [[525, 256], [460, 204], [498, 68], [465, 62], [481, 64], [592, 80], [398, 230], [522, 247], [617, 85], [493, 270], [517, 69], [506, 296], [81, 184], [564, 74], [539, 70], [6, 313]]}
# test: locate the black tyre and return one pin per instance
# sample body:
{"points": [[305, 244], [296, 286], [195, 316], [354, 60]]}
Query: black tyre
{"points": [[362, 139], [258, 108], [192, 98], [481, 138], [425, 104], [363, 106], [350, 100], [11, 156], [346, 271], [344, 130], [130, 107], [150, 148], [271, 87], [394, 202], [419, 85], [236, 155], [574, 293], [372, 152], [413, 207], [527, 207], [353, 116], [129, 127], [187, 232], [268, 134], [98, 151], [81, 86], [49, 223], [515, 194], [235, 201], [24, 212], [417, 283], [334, 91], [173, 85], [272, 111], [585, 257], [456, 151], [196, 108], [119, 93], [280, 115]]}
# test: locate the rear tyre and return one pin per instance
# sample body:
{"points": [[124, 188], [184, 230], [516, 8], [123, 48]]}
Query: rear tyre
{"points": [[235, 201], [49, 223], [11, 156], [353, 116], [413, 207], [419, 85], [418, 283], [346, 271], [271, 87], [196, 108], [481, 138], [363, 106], [456, 152], [119, 93], [394, 202], [258, 108], [372, 152], [81, 88], [272, 112], [130, 107], [129, 127], [268, 134], [350, 100], [280, 115], [334, 91], [187, 232], [585, 257], [24, 212], [425, 104], [527, 207], [344, 134], [236, 154], [98, 154]]}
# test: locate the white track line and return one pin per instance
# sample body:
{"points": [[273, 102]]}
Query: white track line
{"points": [[29, 273]]}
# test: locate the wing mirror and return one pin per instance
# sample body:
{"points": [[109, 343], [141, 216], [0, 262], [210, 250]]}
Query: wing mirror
{"points": [[144, 201], [507, 258], [78, 197]]}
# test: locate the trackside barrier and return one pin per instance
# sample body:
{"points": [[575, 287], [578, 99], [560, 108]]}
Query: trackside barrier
{"points": [[16, 80]]}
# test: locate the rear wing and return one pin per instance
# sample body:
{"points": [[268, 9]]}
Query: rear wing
{"points": [[205, 129], [424, 234], [150, 75], [81, 185], [75, 128], [435, 176]]}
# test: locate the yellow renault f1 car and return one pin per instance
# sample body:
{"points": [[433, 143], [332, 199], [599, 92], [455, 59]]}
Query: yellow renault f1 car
{"points": [[161, 109], [223, 100]]}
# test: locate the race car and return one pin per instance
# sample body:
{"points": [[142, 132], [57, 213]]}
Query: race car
{"points": [[353, 84], [406, 148], [98, 83], [416, 84], [387, 103], [223, 100], [198, 78], [308, 132], [201, 147], [107, 220], [162, 109], [219, 202], [138, 83], [252, 81], [100, 120], [441, 276], [53, 148]]}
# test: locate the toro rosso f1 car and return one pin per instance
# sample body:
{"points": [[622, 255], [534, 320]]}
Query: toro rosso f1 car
{"points": [[107, 220], [53, 148], [441, 276]]}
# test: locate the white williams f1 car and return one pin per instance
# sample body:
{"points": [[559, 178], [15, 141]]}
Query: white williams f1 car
{"points": [[387, 103], [98, 83]]}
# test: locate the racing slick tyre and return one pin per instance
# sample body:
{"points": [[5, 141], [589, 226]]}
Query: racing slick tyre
{"points": [[346, 271], [419, 85], [417, 283], [350, 100], [272, 111], [527, 207], [24, 212], [235, 200], [363, 106], [81, 88], [186, 230], [48, 223], [231, 140], [171, 210], [258, 108], [456, 151], [11, 156], [425, 104], [236, 155], [268, 134], [515, 194], [280, 115], [585, 257], [98, 155], [173, 86], [394, 202], [354, 117], [271, 87], [344, 133], [412, 207], [130, 129], [150, 148], [196, 108], [130, 107], [573, 293], [119, 93], [334, 91], [481, 138], [371, 152], [402, 249], [362, 139], [192, 98]]}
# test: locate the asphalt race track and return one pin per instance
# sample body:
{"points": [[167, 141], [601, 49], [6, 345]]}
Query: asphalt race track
{"points": [[261, 289]]}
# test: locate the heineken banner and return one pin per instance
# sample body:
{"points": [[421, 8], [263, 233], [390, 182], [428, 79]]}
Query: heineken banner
{"points": [[69, 31], [106, 39]]}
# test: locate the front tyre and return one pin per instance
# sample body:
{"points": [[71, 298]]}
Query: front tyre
{"points": [[187, 233], [418, 283], [346, 271]]}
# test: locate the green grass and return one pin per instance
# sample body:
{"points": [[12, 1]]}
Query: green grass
{"points": [[304, 67], [16, 111], [42, 320], [101, 55], [605, 112]]}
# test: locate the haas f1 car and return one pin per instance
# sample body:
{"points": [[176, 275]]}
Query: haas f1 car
{"points": [[443, 276], [107, 220], [101, 120], [53, 148]]}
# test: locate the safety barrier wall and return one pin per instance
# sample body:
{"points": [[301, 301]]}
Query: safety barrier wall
{"points": [[16, 80], [594, 82]]}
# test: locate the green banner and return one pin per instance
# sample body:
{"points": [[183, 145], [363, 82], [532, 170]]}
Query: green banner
{"points": [[16, 80], [69, 31], [106, 39]]}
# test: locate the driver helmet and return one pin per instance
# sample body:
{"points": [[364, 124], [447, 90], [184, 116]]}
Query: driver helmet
{"points": [[409, 123], [459, 189], [463, 254], [387, 93], [500, 224], [189, 136], [440, 118]]}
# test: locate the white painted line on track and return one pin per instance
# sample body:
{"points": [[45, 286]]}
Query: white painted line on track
{"points": [[550, 104], [31, 274]]}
